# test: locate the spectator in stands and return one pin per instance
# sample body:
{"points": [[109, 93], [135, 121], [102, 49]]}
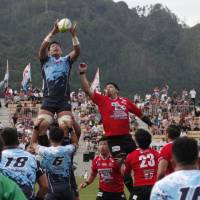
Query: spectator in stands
{"points": [[193, 94], [1, 127]]}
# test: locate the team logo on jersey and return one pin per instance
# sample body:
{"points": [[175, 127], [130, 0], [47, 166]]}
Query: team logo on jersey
{"points": [[104, 164], [115, 148], [118, 106], [110, 164]]}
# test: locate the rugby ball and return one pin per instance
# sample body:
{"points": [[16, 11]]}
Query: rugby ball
{"points": [[64, 25]]}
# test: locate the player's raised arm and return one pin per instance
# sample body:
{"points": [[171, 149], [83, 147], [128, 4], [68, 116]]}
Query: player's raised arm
{"points": [[74, 139], [76, 45], [43, 51], [138, 112], [84, 81], [77, 128]]}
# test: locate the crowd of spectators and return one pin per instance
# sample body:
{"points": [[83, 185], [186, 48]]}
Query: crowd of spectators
{"points": [[15, 96], [163, 107]]}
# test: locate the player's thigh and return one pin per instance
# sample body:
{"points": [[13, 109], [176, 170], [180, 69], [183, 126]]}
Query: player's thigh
{"points": [[141, 193], [44, 119], [110, 196], [59, 196], [65, 119], [121, 145]]}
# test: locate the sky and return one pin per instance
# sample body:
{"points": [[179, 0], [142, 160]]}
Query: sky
{"points": [[186, 10]]}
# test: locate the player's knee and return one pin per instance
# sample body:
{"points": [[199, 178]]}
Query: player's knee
{"points": [[43, 122], [65, 122]]}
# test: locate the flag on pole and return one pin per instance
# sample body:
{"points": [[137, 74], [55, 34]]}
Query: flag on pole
{"points": [[96, 82], [26, 77], [4, 83]]}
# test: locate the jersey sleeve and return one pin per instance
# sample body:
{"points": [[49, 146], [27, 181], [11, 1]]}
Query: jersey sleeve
{"points": [[165, 153], [71, 148], [42, 61], [40, 150], [98, 98], [159, 192], [68, 59], [133, 108]]}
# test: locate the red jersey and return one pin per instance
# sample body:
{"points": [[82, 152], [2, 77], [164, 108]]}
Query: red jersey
{"points": [[144, 164], [166, 153], [115, 113], [110, 178]]}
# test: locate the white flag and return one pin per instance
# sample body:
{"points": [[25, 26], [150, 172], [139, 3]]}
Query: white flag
{"points": [[96, 82], [6, 77], [26, 76]]}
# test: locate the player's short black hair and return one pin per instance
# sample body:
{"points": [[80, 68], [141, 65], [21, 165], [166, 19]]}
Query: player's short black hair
{"points": [[185, 150], [10, 136], [143, 138], [56, 134], [103, 138], [53, 42], [114, 84], [173, 132]]}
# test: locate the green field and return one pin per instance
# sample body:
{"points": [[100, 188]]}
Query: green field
{"points": [[89, 193]]}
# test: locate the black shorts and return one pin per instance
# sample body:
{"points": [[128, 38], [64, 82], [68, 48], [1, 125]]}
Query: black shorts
{"points": [[110, 195], [123, 144], [141, 192], [59, 196], [74, 185], [55, 105], [59, 190]]}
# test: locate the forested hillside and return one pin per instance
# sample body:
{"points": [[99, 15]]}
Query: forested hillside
{"points": [[138, 51]]}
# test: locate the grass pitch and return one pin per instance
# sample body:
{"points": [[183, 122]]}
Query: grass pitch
{"points": [[90, 192]]}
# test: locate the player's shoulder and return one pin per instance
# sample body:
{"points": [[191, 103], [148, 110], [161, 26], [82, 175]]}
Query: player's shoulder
{"points": [[167, 181], [123, 99], [97, 158], [65, 58], [134, 153], [17, 152], [164, 189], [68, 147], [154, 151], [166, 147], [26, 153]]}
